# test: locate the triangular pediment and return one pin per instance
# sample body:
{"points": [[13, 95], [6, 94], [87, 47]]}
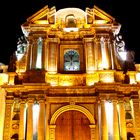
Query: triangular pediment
{"points": [[101, 15], [42, 15]]}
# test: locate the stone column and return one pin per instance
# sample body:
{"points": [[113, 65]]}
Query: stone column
{"points": [[107, 52], [47, 120], [115, 122], [41, 120], [21, 123], [34, 52], [44, 58], [136, 114], [2, 111], [98, 53], [30, 120], [53, 55], [29, 53], [104, 128], [89, 54], [7, 121], [52, 132], [47, 54], [98, 119], [92, 132], [122, 120]]}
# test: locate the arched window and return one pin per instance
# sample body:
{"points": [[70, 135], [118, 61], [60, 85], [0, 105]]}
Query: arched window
{"points": [[71, 61], [70, 21]]}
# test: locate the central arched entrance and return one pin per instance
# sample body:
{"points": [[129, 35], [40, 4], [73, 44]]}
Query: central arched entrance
{"points": [[72, 125]]}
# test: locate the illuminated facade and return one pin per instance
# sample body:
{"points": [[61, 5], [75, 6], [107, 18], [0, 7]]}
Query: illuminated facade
{"points": [[71, 81]]}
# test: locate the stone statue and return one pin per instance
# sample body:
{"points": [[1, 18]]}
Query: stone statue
{"points": [[12, 63], [119, 43], [21, 45]]}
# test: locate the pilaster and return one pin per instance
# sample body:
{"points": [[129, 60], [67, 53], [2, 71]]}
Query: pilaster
{"points": [[44, 54], [89, 54], [7, 121], [136, 113], [115, 121], [41, 121], [104, 128], [92, 132], [30, 120], [21, 123], [47, 120], [53, 55], [52, 132], [122, 119], [98, 52], [34, 52], [107, 52], [29, 52]]}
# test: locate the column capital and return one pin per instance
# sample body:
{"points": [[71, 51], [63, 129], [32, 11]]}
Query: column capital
{"points": [[97, 38], [41, 100], [30, 100], [114, 101], [30, 39], [22, 101], [92, 126], [135, 100], [9, 101], [52, 126], [106, 38], [120, 101], [87, 40]]}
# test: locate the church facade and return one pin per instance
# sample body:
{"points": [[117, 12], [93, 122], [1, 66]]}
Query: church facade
{"points": [[72, 80]]}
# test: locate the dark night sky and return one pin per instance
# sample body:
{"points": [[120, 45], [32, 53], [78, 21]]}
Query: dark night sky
{"points": [[14, 14]]}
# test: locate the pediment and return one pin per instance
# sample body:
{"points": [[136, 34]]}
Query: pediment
{"points": [[42, 16], [101, 15], [96, 15], [68, 18], [47, 15]]}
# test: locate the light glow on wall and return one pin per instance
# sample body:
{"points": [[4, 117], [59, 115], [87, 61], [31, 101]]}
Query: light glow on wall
{"points": [[41, 22], [3, 78], [25, 118], [90, 69], [71, 29], [123, 55], [108, 80], [104, 57], [109, 116], [138, 77], [35, 120], [67, 84], [100, 21], [52, 70]]}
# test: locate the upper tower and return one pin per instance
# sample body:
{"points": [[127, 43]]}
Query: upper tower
{"points": [[71, 41]]}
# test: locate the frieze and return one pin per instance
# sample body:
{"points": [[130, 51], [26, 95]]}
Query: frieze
{"points": [[78, 99]]}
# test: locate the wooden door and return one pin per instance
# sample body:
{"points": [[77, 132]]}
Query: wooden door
{"points": [[72, 125]]}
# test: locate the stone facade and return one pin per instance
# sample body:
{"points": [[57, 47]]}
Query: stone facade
{"points": [[70, 80]]}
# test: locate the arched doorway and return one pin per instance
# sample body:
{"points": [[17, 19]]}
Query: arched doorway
{"points": [[72, 125]]}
